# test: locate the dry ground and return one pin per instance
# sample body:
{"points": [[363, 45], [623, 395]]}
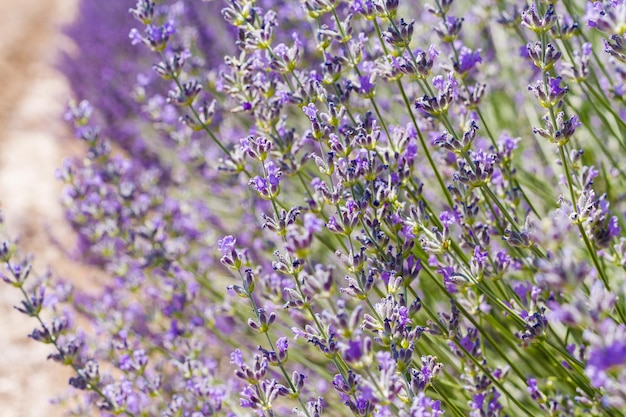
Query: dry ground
{"points": [[33, 142]]}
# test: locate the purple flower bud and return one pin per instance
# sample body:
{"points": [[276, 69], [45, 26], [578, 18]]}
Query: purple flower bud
{"points": [[282, 344], [230, 259], [532, 20], [449, 30]]}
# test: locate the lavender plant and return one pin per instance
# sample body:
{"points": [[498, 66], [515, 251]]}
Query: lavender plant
{"points": [[367, 208]]}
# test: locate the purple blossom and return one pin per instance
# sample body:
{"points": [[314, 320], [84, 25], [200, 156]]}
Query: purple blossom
{"points": [[614, 229], [449, 278], [555, 86], [608, 356], [353, 352], [468, 59], [423, 406], [312, 223], [608, 16], [366, 84], [227, 245], [282, 344], [522, 289], [446, 218], [480, 257], [310, 110]]}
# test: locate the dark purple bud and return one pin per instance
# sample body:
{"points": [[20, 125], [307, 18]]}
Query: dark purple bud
{"points": [[185, 94], [399, 35], [391, 7], [565, 29], [532, 20], [543, 58], [332, 68], [90, 372], [143, 11], [441, 9], [616, 47], [41, 335], [517, 239], [449, 30], [297, 379], [171, 67], [282, 345], [6, 250], [239, 13], [58, 325], [78, 382]]}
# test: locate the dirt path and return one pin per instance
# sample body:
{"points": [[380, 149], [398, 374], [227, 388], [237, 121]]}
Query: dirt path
{"points": [[32, 145]]}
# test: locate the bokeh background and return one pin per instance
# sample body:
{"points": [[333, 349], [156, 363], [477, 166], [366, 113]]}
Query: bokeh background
{"points": [[33, 142]]}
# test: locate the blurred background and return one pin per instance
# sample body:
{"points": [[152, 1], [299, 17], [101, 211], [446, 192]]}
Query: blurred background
{"points": [[35, 41], [33, 143]]}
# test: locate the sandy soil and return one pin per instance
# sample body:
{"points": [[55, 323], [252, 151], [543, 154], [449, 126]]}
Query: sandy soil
{"points": [[33, 142]]}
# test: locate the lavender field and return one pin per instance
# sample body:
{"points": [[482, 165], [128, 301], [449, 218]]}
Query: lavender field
{"points": [[315, 208]]}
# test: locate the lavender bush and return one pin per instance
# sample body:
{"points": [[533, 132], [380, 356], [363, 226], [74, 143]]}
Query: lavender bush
{"points": [[367, 208]]}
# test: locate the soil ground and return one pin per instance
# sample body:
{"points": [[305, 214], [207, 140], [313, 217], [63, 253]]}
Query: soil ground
{"points": [[33, 142]]}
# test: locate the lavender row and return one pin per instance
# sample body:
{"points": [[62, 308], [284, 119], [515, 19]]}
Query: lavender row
{"points": [[343, 208]]}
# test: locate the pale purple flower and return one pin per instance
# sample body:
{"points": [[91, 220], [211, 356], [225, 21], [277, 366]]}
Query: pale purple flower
{"points": [[310, 110], [227, 245], [468, 59]]}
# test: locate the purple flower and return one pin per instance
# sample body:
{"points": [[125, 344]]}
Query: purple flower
{"points": [[614, 229], [135, 36], [423, 406], [259, 184], [157, 36], [282, 344], [555, 86], [609, 350], [407, 231], [478, 401], [439, 82], [522, 288], [533, 389], [609, 356], [609, 16], [480, 257], [468, 59], [312, 223], [353, 352], [366, 84], [334, 226], [227, 245], [450, 278], [273, 171], [447, 218], [508, 144], [310, 110]]}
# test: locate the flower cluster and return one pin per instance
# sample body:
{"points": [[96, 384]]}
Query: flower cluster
{"points": [[348, 208]]}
